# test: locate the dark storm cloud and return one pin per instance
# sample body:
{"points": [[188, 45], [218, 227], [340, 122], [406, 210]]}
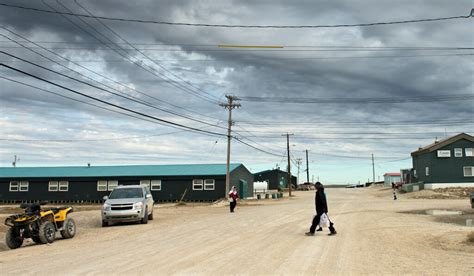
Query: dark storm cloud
{"points": [[244, 73]]}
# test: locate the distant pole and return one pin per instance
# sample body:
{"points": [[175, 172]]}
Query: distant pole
{"points": [[298, 162], [307, 167], [373, 170], [229, 105], [289, 168], [14, 162]]}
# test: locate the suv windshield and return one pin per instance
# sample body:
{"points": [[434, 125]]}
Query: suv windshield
{"points": [[126, 193]]}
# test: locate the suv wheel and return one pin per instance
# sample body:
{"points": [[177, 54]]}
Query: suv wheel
{"points": [[150, 216], [105, 223], [145, 216]]}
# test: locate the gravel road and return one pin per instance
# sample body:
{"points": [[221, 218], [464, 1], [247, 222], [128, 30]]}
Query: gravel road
{"points": [[265, 237]]}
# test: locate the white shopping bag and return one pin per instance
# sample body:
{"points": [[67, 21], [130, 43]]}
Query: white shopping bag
{"points": [[324, 220]]}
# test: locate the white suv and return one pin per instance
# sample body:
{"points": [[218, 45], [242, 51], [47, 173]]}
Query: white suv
{"points": [[128, 203]]}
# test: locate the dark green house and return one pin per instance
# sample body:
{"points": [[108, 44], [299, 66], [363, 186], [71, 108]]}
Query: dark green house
{"points": [[445, 163], [193, 182], [276, 179]]}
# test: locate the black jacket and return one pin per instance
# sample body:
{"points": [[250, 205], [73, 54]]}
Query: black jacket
{"points": [[320, 201]]}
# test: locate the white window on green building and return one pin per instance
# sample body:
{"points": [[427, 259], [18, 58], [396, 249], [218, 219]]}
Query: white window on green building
{"points": [[458, 152], [102, 185], [63, 186], [14, 186], [197, 184], [112, 184], [155, 185], [209, 184], [468, 171], [53, 186]]}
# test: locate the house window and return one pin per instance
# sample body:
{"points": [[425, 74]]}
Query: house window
{"points": [[102, 185], [63, 186], [53, 186], [155, 185], [209, 184], [197, 184], [23, 186], [414, 173], [458, 152], [14, 185], [112, 184], [468, 171], [427, 171], [468, 152]]}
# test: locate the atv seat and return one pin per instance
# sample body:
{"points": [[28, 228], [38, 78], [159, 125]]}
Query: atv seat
{"points": [[57, 209]]}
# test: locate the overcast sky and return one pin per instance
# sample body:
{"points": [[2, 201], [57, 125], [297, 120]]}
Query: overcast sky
{"points": [[386, 90]]}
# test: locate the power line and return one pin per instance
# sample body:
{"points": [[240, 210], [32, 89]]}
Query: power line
{"points": [[312, 49], [164, 122], [285, 46], [77, 100], [108, 109], [92, 71], [246, 26], [393, 100], [111, 104], [139, 51], [130, 98], [258, 149], [364, 123], [124, 54], [282, 58]]}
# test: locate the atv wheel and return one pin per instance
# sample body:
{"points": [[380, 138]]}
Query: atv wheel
{"points": [[150, 216], [12, 239], [145, 217], [47, 233], [69, 230], [36, 239], [105, 223]]}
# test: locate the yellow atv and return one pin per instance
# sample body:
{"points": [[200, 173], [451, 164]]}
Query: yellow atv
{"points": [[39, 225]]}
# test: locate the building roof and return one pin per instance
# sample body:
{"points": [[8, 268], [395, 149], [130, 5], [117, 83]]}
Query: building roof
{"points": [[123, 170], [392, 174], [441, 143], [272, 170]]}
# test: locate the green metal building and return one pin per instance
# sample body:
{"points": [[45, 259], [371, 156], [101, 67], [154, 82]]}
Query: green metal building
{"points": [[445, 163], [196, 182]]}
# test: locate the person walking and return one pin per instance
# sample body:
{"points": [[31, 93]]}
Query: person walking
{"points": [[321, 208], [233, 198]]}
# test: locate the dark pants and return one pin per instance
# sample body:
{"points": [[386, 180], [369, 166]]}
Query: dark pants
{"points": [[232, 205], [315, 223]]}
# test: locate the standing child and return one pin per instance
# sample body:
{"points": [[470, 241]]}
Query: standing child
{"points": [[233, 198]]}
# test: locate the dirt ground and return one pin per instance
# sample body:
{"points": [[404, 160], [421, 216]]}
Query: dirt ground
{"points": [[376, 235]]}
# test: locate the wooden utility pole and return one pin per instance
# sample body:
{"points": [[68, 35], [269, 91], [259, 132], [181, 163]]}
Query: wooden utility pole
{"points": [[373, 170], [307, 167], [229, 105], [289, 167], [298, 162]]}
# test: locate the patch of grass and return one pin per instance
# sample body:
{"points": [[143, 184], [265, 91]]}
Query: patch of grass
{"points": [[470, 237]]}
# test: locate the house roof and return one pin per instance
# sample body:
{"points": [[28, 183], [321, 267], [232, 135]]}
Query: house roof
{"points": [[123, 170], [444, 142], [268, 171], [392, 174]]}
